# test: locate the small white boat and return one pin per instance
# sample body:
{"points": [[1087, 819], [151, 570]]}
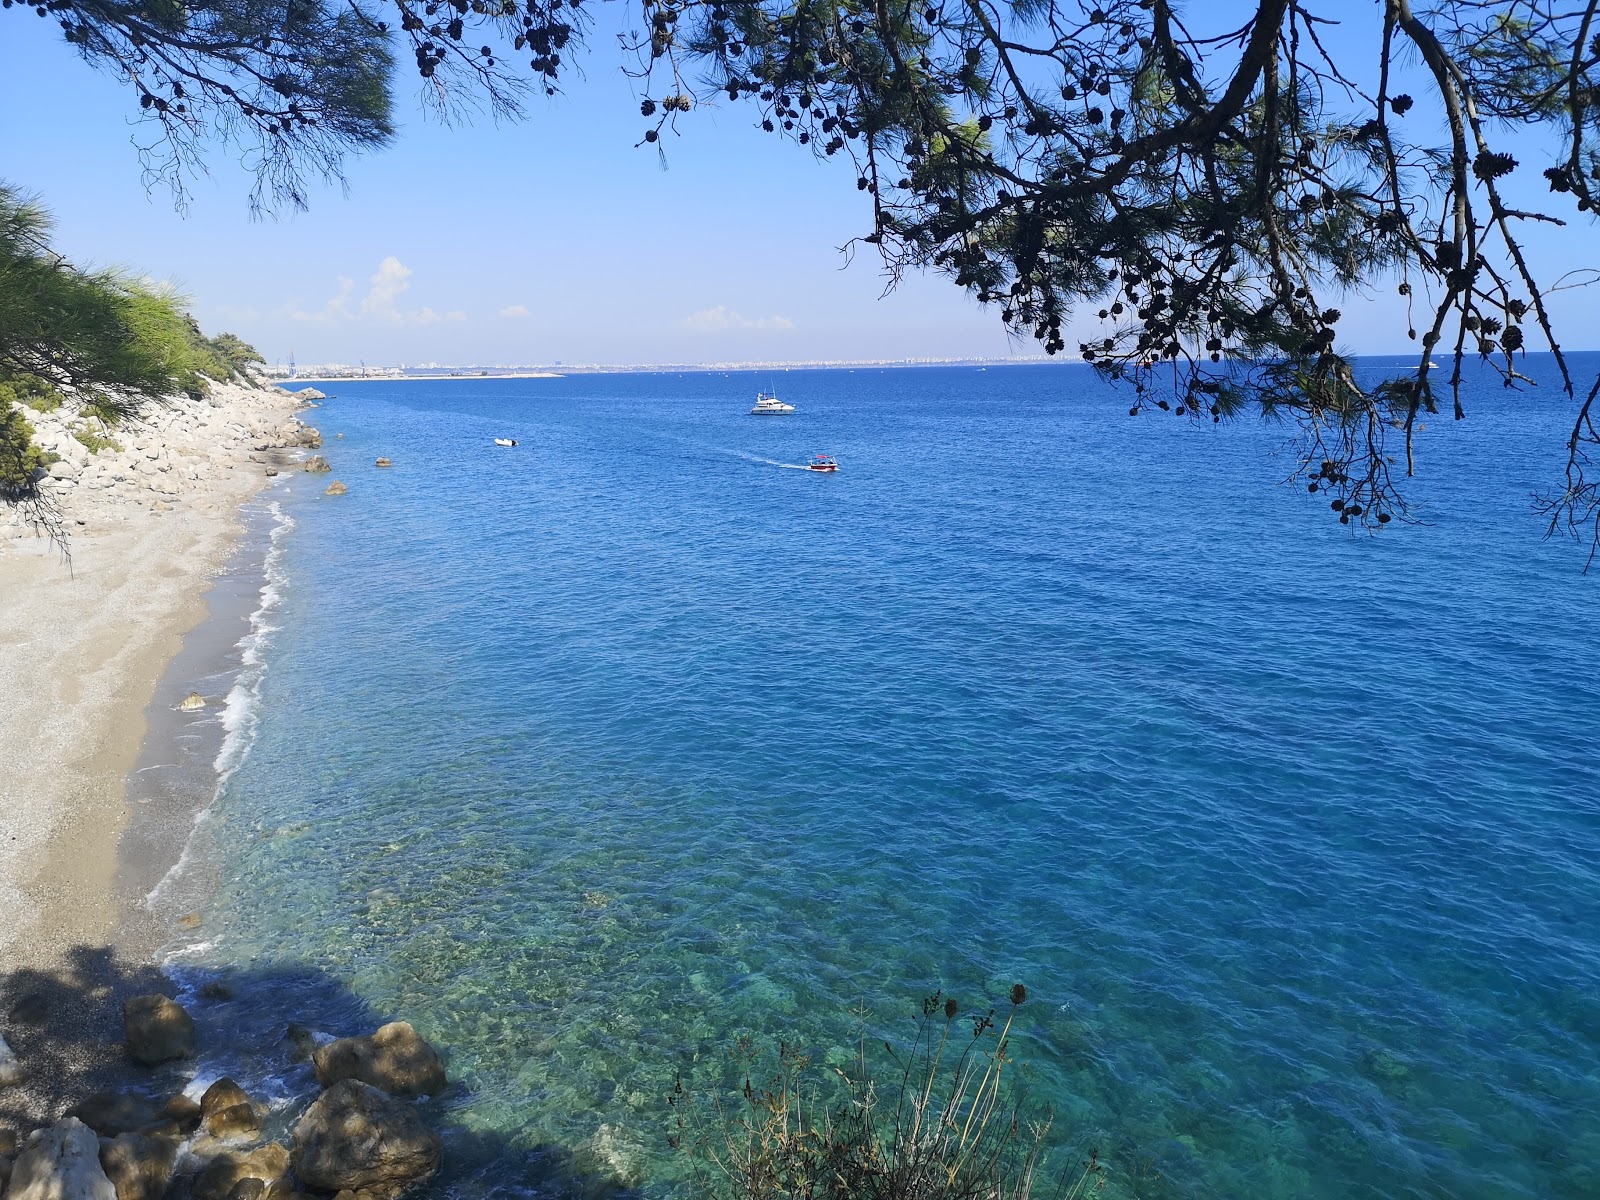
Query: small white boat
{"points": [[770, 406], [505, 441], [822, 462]]}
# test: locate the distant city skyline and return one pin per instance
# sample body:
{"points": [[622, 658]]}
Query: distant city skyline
{"points": [[556, 238]]}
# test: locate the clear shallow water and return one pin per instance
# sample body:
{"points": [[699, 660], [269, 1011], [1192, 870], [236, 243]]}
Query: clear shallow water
{"points": [[590, 755]]}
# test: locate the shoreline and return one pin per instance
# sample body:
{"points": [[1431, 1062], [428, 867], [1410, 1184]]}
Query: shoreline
{"points": [[98, 650], [163, 889]]}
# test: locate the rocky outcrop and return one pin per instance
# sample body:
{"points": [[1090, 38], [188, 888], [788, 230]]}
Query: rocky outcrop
{"points": [[193, 702], [61, 1163], [335, 489], [317, 463], [309, 394], [11, 1072], [139, 1166], [158, 1029], [226, 1111], [384, 462], [356, 1138], [172, 453], [223, 1175], [395, 1059]]}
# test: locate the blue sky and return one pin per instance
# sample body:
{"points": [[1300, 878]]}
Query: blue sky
{"points": [[553, 239]]}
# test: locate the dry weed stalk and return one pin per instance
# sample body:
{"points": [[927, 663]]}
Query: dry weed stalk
{"points": [[940, 1130]]}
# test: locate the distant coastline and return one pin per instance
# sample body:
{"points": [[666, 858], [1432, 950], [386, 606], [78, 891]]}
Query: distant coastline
{"points": [[338, 373], [398, 376]]}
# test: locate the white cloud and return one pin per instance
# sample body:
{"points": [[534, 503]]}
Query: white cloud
{"points": [[515, 310], [710, 320], [381, 304]]}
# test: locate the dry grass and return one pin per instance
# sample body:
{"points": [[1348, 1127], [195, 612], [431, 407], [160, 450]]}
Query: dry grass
{"points": [[945, 1124]]}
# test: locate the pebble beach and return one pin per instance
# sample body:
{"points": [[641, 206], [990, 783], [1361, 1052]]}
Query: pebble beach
{"points": [[89, 622]]}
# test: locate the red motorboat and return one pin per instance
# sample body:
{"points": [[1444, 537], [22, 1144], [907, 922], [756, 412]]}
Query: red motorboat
{"points": [[822, 462]]}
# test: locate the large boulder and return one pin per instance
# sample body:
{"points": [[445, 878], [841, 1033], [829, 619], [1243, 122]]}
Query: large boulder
{"points": [[226, 1111], [356, 1138], [112, 1113], [178, 1118], [11, 1072], [157, 1029], [395, 1059], [61, 1163], [139, 1166], [218, 1179]]}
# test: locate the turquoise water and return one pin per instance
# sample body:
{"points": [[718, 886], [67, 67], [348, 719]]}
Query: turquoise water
{"points": [[591, 755]]}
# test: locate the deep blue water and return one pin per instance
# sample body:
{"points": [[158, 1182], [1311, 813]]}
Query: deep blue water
{"points": [[591, 755]]}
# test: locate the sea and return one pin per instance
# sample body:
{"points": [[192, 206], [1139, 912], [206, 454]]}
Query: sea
{"points": [[620, 759]]}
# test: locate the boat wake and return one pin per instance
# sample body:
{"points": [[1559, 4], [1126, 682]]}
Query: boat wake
{"points": [[756, 458]]}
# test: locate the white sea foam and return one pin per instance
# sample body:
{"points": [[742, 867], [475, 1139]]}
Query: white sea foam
{"points": [[239, 713], [239, 717]]}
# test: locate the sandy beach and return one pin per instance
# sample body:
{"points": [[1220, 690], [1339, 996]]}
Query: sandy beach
{"points": [[85, 638]]}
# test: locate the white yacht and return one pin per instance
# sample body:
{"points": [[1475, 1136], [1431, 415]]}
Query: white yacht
{"points": [[770, 406]]}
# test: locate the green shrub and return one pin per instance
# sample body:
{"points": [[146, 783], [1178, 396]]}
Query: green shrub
{"points": [[21, 459], [30, 390], [237, 356], [945, 1123], [116, 341], [94, 442]]}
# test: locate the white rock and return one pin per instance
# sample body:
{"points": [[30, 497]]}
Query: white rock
{"points": [[11, 1072], [61, 1163]]}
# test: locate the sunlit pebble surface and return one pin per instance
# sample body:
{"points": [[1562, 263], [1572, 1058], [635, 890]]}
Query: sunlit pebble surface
{"points": [[590, 755]]}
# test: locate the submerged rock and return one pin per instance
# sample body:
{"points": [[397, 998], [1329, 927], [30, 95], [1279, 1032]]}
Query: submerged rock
{"points": [[224, 1174], [302, 1043], [157, 1028], [139, 1166], [395, 1058], [61, 1163], [335, 489], [615, 1155], [384, 462], [357, 1138], [227, 1111]]}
